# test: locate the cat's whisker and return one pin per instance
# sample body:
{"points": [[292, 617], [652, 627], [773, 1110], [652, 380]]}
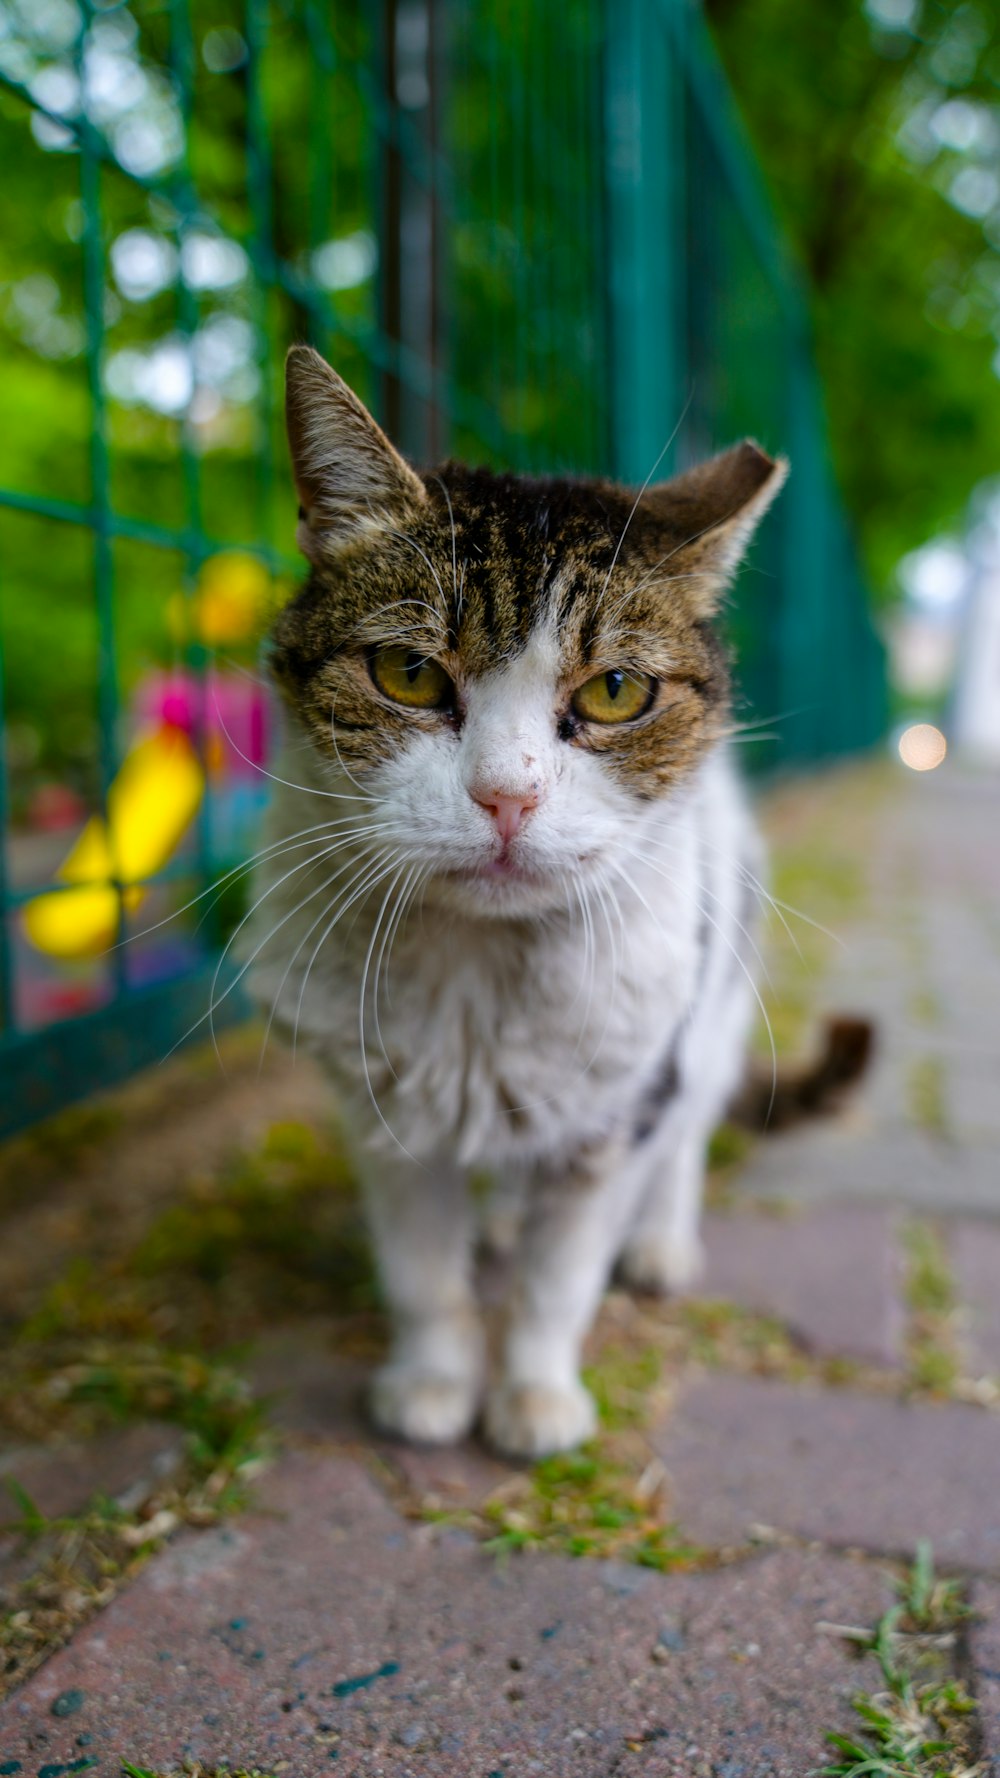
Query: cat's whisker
{"points": [[600, 889], [215, 1003], [460, 602], [636, 502], [410, 603], [391, 929], [588, 966], [744, 728], [420, 875], [424, 557], [630, 592], [574, 908], [361, 1016], [769, 902], [705, 889], [304, 864], [786, 907], [454, 540], [609, 901], [379, 828], [705, 915], [371, 873], [366, 795], [673, 579], [611, 997], [276, 848], [307, 789]]}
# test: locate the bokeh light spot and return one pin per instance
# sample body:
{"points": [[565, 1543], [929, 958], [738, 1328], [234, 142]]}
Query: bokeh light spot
{"points": [[922, 747]]}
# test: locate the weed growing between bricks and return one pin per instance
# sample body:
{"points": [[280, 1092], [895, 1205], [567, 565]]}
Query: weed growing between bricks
{"points": [[148, 1335], [936, 1362], [923, 1722], [275, 1236], [611, 1499], [927, 1100], [81, 1560], [191, 1769]]}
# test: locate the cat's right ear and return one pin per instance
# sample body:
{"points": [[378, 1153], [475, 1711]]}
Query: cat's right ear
{"points": [[351, 481]]}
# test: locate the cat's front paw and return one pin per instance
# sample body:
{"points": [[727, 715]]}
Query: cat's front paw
{"points": [[532, 1420], [662, 1267], [426, 1408]]}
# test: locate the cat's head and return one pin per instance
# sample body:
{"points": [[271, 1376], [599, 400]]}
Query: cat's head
{"points": [[512, 669]]}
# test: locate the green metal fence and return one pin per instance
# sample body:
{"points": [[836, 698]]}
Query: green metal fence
{"points": [[529, 235]]}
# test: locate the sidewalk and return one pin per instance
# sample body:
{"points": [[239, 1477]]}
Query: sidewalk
{"points": [[673, 1601]]}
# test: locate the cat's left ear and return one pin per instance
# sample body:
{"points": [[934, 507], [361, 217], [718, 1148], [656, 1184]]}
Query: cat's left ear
{"points": [[711, 513], [351, 481]]}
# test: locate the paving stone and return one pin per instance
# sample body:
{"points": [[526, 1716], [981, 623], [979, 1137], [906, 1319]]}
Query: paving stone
{"points": [[830, 1274], [326, 1631], [849, 1469], [311, 1389], [984, 1649], [972, 1100], [836, 1161], [975, 1257], [460, 1475], [316, 1393], [62, 1477], [124, 1464]]}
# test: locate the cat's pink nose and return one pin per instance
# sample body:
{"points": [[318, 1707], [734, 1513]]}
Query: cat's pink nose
{"points": [[507, 811]]}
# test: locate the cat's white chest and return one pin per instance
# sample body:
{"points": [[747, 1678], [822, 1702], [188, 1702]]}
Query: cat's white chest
{"points": [[498, 1046], [491, 1040]]}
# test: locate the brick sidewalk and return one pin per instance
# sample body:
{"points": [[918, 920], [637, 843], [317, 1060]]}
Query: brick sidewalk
{"points": [[829, 1400]]}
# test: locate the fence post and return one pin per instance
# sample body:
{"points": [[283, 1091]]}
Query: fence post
{"points": [[644, 195]]}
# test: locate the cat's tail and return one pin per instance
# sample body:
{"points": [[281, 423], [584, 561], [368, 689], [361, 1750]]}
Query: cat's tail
{"points": [[815, 1088]]}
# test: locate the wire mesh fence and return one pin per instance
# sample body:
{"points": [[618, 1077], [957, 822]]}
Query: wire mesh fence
{"points": [[526, 235]]}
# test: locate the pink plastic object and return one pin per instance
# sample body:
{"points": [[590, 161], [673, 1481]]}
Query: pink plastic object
{"points": [[231, 712]]}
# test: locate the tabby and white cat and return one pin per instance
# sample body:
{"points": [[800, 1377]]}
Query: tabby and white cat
{"points": [[505, 899]]}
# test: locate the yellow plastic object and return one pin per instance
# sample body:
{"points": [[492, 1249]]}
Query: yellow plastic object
{"points": [[233, 599], [150, 804]]}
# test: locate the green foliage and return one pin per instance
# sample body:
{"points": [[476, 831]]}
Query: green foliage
{"points": [[916, 1727], [191, 1769], [927, 1095], [250, 157], [238, 488], [930, 1602], [934, 1356], [868, 168], [589, 1503]]}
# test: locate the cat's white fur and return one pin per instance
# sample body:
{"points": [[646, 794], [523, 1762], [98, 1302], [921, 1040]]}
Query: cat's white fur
{"points": [[475, 1022]]}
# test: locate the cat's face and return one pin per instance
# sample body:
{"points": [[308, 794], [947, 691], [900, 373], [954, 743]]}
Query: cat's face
{"points": [[511, 669]]}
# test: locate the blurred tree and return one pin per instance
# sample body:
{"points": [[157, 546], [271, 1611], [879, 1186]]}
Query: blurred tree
{"points": [[879, 129]]}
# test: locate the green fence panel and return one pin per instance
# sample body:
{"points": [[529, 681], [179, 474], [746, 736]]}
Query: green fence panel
{"points": [[531, 236]]}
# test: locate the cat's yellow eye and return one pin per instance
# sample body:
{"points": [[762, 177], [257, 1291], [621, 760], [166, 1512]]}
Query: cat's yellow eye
{"points": [[614, 696], [408, 677]]}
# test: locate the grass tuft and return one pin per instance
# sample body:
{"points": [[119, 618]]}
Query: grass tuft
{"points": [[191, 1769], [913, 1727], [927, 1096], [83, 1558], [933, 1354]]}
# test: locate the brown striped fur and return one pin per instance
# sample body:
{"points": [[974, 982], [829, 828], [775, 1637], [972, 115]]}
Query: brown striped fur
{"points": [[463, 564]]}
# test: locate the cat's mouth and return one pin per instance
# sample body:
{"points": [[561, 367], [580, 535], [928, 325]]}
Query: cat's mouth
{"points": [[502, 869], [507, 868]]}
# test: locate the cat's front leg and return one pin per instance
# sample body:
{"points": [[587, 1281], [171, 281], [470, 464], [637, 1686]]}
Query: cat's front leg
{"points": [[429, 1388], [573, 1229], [663, 1252]]}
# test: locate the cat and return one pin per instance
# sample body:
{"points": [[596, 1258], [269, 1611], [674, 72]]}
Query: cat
{"points": [[507, 887]]}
